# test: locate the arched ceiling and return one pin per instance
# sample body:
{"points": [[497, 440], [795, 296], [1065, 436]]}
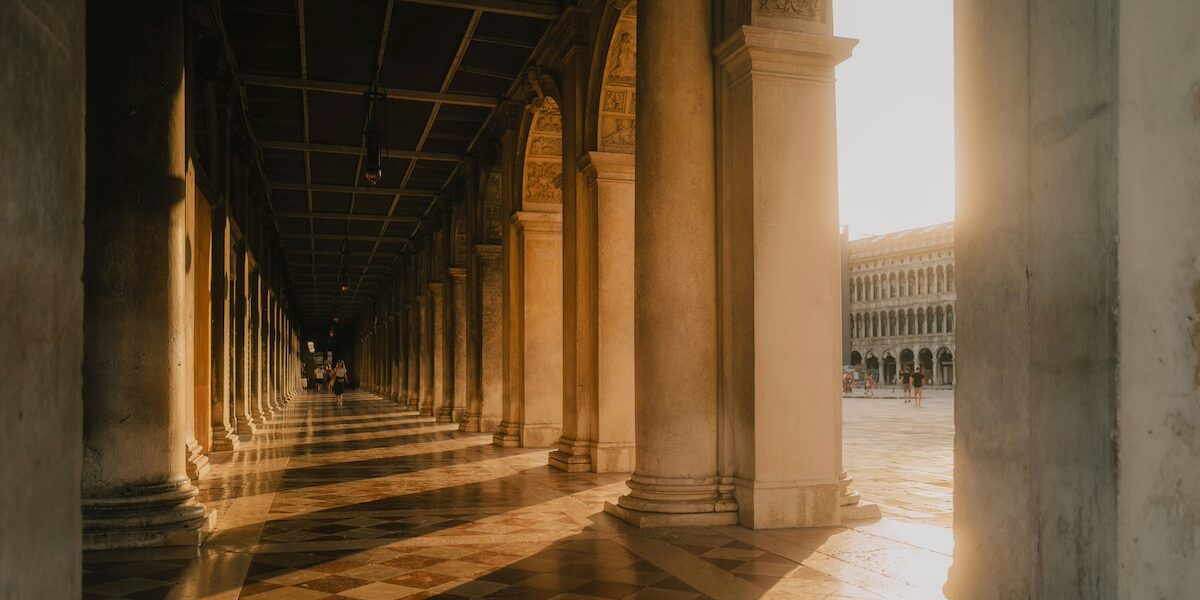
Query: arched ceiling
{"points": [[305, 66]]}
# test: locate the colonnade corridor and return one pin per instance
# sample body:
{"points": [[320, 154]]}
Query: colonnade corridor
{"points": [[372, 501]]}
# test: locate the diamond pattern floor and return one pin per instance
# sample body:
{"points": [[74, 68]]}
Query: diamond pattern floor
{"points": [[372, 502]]}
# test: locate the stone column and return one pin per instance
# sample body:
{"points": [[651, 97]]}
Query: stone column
{"points": [[426, 356], [412, 313], [598, 435], [439, 365], [487, 396], [458, 294], [254, 347], [243, 398], [223, 435], [533, 412], [402, 335], [135, 487], [196, 458], [675, 275]]}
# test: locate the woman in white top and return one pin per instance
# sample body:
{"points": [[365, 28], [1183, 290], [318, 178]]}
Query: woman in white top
{"points": [[339, 381]]}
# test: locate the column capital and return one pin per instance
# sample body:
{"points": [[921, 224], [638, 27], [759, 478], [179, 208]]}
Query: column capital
{"points": [[457, 273], [537, 221], [753, 49], [488, 251], [607, 166]]}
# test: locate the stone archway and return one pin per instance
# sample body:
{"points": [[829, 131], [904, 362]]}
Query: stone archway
{"points": [[925, 361], [598, 413], [534, 374]]}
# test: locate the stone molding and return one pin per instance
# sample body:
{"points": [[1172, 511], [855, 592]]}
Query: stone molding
{"points": [[796, 54], [488, 251], [599, 166], [537, 222]]}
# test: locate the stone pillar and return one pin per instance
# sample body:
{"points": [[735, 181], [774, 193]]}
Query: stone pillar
{"points": [[439, 365], [196, 459], [603, 435], [533, 411], [402, 335], [426, 356], [487, 397], [781, 270], [675, 275], [458, 293], [412, 400], [135, 488], [42, 201], [254, 347], [242, 396], [223, 417]]}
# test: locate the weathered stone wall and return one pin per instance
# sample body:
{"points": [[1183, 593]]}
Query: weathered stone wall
{"points": [[41, 258], [1035, 488], [1158, 419]]}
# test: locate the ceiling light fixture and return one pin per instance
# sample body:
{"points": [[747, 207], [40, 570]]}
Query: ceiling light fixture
{"points": [[373, 165]]}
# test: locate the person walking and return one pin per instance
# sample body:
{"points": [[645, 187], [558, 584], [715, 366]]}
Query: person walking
{"points": [[906, 384], [918, 384], [318, 377], [869, 384], [339, 381]]}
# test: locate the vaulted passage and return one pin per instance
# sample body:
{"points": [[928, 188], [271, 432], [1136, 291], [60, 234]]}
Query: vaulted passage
{"points": [[575, 266]]}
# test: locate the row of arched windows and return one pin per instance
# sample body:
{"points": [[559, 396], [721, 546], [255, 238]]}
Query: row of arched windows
{"points": [[914, 282], [914, 321]]}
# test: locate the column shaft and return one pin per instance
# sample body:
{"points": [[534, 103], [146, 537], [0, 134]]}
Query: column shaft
{"points": [[135, 488], [675, 346]]}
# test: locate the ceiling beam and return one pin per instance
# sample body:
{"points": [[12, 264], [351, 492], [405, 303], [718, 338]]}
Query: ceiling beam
{"points": [[356, 89], [357, 151], [334, 215], [519, 8], [353, 189], [334, 236]]}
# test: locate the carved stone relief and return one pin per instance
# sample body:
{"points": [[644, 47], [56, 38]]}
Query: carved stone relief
{"points": [[618, 101], [802, 9], [493, 207], [546, 146], [620, 132], [548, 120], [543, 181], [614, 100], [623, 63]]}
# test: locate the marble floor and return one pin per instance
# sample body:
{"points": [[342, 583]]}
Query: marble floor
{"points": [[370, 502]]}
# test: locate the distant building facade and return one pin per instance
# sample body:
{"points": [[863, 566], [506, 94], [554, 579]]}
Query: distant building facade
{"points": [[901, 309]]}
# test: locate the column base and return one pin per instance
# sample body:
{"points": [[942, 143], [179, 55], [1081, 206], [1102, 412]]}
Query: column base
{"points": [[445, 414], [571, 456], [508, 435], [246, 429], [146, 517], [224, 440], [673, 502], [851, 506], [650, 520], [197, 461], [426, 410], [470, 423], [787, 504]]}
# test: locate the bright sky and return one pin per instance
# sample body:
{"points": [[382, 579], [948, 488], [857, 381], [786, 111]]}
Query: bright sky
{"points": [[895, 103]]}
